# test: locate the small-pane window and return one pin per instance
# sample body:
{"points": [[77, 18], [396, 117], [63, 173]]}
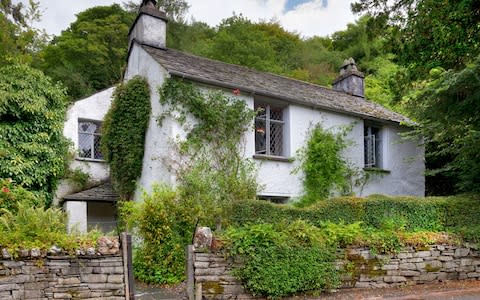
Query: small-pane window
{"points": [[373, 147], [269, 130], [89, 135]]}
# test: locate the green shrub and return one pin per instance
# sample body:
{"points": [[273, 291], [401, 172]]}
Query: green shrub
{"points": [[12, 193], [33, 149], [166, 225], [123, 136], [280, 260], [27, 227], [281, 271], [409, 213]]}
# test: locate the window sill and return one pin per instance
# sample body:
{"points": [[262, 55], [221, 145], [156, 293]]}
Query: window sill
{"points": [[377, 170], [90, 159], [274, 158]]}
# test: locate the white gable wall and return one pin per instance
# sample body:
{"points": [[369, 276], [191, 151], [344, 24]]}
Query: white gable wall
{"points": [[92, 108]]}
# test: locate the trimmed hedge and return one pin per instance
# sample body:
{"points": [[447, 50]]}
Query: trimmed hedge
{"points": [[414, 213]]}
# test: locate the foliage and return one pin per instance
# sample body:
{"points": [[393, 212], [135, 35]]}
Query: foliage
{"points": [[174, 9], [11, 193], [19, 40], [408, 213], [27, 227], [449, 32], [322, 164], [269, 249], [429, 37], [263, 46], [214, 172], [448, 104], [32, 146], [124, 132], [165, 224], [90, 54]]}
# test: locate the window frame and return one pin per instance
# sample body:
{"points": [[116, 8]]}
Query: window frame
{"points": [[92, 134], [268, 121], [373, 131]]}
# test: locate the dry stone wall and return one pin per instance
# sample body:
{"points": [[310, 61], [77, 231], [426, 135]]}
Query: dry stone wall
{"points": [[92, 274], [361, 269]]}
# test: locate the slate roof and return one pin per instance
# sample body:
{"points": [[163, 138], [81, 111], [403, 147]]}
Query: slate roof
{"points": [[226, 75], [104, 193]]}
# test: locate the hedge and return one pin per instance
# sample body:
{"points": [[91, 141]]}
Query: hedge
{"points": [[414, 213]]}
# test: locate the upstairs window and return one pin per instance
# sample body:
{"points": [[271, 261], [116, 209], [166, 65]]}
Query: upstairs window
{"points": [[89, 135], [269, 128], [373, 147]]}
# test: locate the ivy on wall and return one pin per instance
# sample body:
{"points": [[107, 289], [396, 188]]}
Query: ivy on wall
{"points": [[321, 161], [33, 149], [124, 131], [215, 172]]}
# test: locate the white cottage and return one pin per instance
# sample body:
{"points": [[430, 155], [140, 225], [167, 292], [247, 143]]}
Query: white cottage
{"points": [[291, 107]]}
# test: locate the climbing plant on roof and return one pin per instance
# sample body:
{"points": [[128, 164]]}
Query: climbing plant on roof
{"points": [[124, 131]]}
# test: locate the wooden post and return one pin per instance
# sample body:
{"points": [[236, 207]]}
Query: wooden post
{"points": [[190, 273], [127, 266]]}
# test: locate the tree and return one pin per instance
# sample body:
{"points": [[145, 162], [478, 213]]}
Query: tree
{"points": [[19, 40], [90, 54], [263, 46], [429, 33], [174, 9], [430, 37], [32, 146]]}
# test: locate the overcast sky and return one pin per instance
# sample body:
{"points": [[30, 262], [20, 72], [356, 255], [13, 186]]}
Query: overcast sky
{"points": [[306, 17]]}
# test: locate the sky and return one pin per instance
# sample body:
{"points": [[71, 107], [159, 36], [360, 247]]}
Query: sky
{"points": [[305, 17]]}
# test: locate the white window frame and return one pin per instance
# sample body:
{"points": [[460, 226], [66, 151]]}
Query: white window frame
{"points": [[268, 121], [373, 144], [92, 140]]}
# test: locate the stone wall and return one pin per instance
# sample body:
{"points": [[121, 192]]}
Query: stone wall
{"points": [[361, 269], [56, 275]]}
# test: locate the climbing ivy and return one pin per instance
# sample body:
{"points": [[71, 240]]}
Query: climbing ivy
{"points": [[215, 172], [324, 168], [123, 136], [32, 146]]}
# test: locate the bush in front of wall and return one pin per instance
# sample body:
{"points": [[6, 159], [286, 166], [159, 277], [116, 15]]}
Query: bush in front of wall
{"points": [[28, 227], [11, 194], [415, 213], [165, 225], [123, 136], [281, 260]]}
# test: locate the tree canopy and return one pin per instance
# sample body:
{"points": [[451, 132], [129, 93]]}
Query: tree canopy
{"points": [[90, 54], [32, 146]]}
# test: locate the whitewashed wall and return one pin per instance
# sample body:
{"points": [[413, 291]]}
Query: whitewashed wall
{"points": [[93, 108], [403, 159], [158, 151]]}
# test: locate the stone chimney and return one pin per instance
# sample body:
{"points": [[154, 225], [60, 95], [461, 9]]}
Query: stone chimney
{"points": [[351, 80], [150, 26]]}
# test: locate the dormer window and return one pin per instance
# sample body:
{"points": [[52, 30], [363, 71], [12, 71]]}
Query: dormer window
{"points": [[269, 130], [89, 135]]}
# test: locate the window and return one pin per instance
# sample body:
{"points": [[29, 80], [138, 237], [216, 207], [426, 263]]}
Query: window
{"points": [[373, 147], [269, 130], [274, 199], [89, 134]]}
